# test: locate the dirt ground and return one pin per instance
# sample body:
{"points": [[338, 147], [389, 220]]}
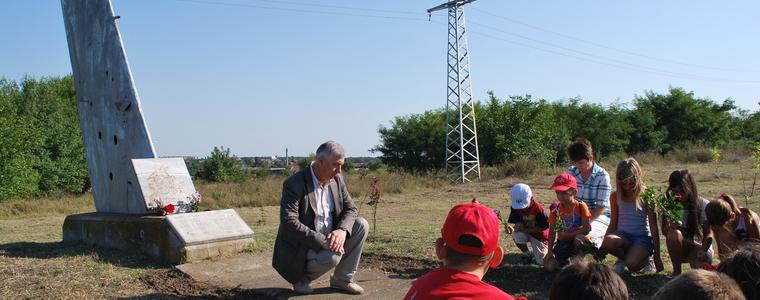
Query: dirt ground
{"points": [[35, 264], [530, 281]]}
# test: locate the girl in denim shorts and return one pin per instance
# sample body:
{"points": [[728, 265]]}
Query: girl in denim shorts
{"points": [[632, 223]]}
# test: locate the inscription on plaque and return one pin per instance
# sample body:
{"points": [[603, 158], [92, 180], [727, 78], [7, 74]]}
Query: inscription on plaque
{"points": [[163, 180], [209, 226]]}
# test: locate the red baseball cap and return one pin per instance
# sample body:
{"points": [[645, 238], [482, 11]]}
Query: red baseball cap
{"points": [[474, 219], [564, 182]]}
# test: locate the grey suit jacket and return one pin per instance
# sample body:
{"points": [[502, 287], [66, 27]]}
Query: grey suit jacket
{"points": [[297, 232]]}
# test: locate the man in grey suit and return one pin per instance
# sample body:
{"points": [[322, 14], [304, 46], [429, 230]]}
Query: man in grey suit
{"points": [[319, 226]]}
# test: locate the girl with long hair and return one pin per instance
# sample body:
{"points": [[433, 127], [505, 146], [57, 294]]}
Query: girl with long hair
{"points": [[632, 224], [688, 241]]}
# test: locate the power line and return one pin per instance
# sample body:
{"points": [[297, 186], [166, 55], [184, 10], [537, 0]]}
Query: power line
{"points": [[346, 7], [591, 57], [612, 48], [232, 4], [598, 57], [618, 64]]}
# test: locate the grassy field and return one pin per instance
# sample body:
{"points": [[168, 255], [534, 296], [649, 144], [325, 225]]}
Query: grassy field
{"points": [[34, 264]]}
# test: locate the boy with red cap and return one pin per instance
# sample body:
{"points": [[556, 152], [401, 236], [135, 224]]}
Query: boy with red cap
{"points": [[468, 246], [569, 219]]}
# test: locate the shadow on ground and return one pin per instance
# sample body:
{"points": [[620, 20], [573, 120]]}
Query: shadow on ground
{"points": [[168, 283], [173, 284], [60, 249]]}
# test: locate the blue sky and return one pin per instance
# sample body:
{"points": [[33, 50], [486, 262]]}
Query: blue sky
{"points": [[259, 76]]}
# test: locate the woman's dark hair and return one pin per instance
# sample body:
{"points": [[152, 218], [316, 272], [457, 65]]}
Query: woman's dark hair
{"points": [[684, 180]]}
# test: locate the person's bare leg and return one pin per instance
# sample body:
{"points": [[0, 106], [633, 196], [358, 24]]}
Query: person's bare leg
{"points": [[615, 245], [637, 257], [675, 243]]}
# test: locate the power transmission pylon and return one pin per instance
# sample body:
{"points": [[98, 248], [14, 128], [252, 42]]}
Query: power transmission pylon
{"points": [[462, 163]]}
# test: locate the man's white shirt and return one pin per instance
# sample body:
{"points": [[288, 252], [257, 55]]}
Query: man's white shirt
{"points": [[325, 204]]}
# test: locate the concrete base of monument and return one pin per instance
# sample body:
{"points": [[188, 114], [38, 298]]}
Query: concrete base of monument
{"points": [[253, 271], [152, 235]]}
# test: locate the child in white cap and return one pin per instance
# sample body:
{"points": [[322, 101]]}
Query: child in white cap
{"points": [[531, 224]]}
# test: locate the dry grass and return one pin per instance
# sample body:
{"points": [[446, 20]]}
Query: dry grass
{"points": [[267, 191], [33, 264], [65, 205]]}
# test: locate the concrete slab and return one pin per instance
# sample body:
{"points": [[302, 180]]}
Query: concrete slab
{"points": [[148, 234], [253, 271]]}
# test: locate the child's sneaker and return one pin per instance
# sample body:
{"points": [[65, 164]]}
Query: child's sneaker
{"points": [[619, 267], [649, 267]]}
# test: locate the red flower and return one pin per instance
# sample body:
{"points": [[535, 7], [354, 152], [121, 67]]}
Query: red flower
{"points": [[170, 208]]}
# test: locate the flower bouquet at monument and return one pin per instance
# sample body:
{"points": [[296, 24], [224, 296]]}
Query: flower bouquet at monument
{"points": [[163, 209], [191, 205]]}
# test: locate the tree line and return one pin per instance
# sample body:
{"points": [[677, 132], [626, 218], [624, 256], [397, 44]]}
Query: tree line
{"points": [[521, 127], [42, 153], [41, 148]]}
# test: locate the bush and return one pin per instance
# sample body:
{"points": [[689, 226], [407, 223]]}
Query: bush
{"points": [[305, 161], [691, 155], [220, 166], [649, 158], [523, 127], [41, 149], [736, 151], [521, 167], [261, 172]]}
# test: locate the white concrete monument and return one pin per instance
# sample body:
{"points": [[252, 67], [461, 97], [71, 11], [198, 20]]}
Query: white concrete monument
{"points": [[128, 181]]}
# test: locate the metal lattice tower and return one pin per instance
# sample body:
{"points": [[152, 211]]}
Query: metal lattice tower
{"points": [[462, 158]]}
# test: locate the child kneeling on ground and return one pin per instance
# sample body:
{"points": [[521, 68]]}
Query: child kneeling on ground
{"points": [[731, 224], [632, 224], [688, 241], [569, 223], [531, 224], [468, 246]]}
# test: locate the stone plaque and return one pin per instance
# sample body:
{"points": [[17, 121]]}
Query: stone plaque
{"points": [[163, 181], [209, 226]]}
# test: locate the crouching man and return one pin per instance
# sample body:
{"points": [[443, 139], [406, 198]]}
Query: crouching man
{"points": [[319, 227]]}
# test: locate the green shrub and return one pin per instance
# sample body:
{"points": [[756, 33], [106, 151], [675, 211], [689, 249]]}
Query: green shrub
{"points": [[220, 166]]}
